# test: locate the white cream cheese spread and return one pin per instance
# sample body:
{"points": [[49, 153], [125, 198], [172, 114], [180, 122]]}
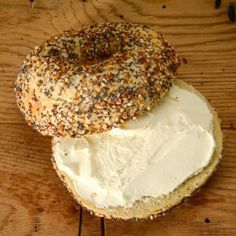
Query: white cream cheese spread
{"points": [[150, 156]]}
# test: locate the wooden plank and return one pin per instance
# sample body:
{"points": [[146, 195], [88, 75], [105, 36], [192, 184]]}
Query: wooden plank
{"points": [[91, 225], [32, 199], [31, 194], [200, 33]]}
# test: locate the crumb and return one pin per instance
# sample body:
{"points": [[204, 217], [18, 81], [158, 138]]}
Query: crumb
{"points": [[231, 13], [32, 3], [184, 60], [217, 4]]}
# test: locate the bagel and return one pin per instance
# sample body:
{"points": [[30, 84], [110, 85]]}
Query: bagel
{"points": [[93, 79], [67, 159]]}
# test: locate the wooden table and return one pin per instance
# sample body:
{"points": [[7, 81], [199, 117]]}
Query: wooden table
{"points": [[32, 199]]}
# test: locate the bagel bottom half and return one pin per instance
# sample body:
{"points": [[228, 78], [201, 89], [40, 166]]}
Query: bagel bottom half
{"points": [[154, 207]]}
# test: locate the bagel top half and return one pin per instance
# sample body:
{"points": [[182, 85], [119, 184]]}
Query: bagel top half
{"points": [[93, 79]]}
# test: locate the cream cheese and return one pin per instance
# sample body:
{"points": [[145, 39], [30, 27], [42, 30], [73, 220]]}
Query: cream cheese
{"points": [[148, 157]]}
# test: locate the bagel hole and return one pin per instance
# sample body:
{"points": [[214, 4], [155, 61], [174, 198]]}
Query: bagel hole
{"points": [[92, 60], [98, 50]]}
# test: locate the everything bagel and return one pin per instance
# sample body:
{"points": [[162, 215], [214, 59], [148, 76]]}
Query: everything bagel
{"points": [[98, 77]]}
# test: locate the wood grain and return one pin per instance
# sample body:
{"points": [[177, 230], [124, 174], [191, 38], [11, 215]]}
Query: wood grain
{"points": [[32, 199]]}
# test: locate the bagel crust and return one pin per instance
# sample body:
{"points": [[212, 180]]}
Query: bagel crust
{"points": [[98, 77]]}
